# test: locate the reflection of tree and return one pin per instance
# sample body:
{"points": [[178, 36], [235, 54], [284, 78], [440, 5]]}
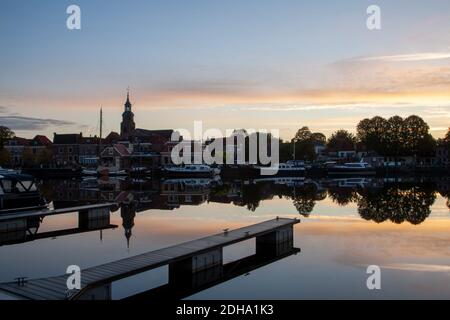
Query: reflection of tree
{"points": [[396, 204], [304, 199], [343, 196], [251, 196], [446, 194]]}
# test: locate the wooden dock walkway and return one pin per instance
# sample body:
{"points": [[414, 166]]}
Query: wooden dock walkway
{"points": [[44, 213], [207, 250]]}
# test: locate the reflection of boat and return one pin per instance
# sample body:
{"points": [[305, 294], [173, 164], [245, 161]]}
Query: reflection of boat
{"points": [[194, 170], [288, 181], [353, 182], [104, 171], [352, 168], [19, 192]]}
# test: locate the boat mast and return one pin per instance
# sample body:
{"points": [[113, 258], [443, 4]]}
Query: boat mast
{"points": [[101, 124], [101, 134]]}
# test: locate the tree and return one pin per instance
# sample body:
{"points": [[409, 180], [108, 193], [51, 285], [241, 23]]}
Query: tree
{"points": [[447, 137], [44, 157], [28, 158], [416, 135], [371, 132], [341, 140], [5, 158], [445, 142], [5, 133], [396, 136], [305, 141], [393, 139], [318, 137], [303, 134]]}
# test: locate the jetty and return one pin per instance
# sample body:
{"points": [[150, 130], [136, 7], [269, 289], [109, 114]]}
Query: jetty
{"points": [[272, 238]]}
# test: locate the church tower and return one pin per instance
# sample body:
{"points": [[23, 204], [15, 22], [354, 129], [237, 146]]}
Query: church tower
{"points": [[127, 126]]}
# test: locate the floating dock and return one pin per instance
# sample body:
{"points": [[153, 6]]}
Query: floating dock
{"points": [[186, 258]]}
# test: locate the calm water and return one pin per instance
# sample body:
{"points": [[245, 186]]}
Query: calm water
{"points": [[402, 226]]}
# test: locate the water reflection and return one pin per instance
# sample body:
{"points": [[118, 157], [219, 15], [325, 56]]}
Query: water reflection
{"points": [[224, 204], [376, 199]]}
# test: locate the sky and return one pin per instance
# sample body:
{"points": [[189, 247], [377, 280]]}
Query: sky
{"points": [[255, 64]]}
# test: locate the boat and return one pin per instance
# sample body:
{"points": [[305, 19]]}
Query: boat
{"points": [[104, 171], [140, 171], [194, 170], [288, 169], [18, 192], [352, 168], [7, 171]]}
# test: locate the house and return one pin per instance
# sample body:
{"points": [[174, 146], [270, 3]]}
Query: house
{"points": [[66, 149], [116, 157], [16, 147]]}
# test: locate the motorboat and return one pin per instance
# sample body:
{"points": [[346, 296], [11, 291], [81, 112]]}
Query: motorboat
{"points": [[195, 170], [19, 192], [352, 168], [288, 169]]}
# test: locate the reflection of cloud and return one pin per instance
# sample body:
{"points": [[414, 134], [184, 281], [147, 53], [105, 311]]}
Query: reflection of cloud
{"points": [[27, 123], [417, 267], [426, 56]]}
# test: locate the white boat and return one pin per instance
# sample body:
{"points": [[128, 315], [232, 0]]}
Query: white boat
{"points": [[104, 171], [196, 170], [352, 168], [288, 169]]}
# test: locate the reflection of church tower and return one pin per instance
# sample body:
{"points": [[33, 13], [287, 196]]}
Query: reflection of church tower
{"points": [[127, 213], [127, 126]]}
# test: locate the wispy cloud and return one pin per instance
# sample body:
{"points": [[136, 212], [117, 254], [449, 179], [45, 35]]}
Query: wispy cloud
{"points": [[418, 267], [30, 124], [424, 56]]}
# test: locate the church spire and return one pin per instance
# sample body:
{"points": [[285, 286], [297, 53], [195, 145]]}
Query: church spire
{"points": [[128, 103]]}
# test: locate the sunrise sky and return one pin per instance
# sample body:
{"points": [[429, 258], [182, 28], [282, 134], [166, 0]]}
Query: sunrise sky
{"points": [[233, 64]]}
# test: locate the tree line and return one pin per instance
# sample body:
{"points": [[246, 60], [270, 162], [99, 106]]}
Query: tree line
{"points": [[392, 137]]}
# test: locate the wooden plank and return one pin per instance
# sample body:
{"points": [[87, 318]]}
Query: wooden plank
{"points": [[25, 292], [49, 293], [43, 213]]}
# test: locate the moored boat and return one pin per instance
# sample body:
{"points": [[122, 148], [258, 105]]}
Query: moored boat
{"points": [[352, 168], [288, 169], [194, 170], [18, 192]]}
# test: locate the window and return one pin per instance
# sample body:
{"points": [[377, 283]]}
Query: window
{"points": [[70, 149], [60, 150]]}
